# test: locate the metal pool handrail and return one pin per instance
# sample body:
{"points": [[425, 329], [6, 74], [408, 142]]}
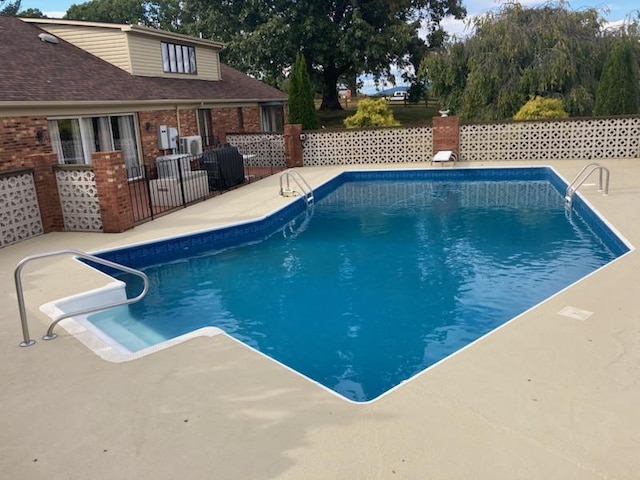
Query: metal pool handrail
{"points": [[287, 191], [27, 341], [582, 177]]}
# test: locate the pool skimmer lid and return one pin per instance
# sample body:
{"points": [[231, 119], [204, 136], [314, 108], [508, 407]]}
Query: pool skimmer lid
{"points": [[575, 313]]}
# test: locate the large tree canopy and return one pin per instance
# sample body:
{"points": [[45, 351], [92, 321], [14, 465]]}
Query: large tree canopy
{"points": [[516, 53], [337, 38], [164, 14]]}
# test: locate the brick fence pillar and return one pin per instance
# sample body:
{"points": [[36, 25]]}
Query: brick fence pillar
{"points": [[113, 191], [446, 134], [46, 185], [293, 145]]}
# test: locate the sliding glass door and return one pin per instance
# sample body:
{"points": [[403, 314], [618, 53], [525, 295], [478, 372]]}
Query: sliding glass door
{"points": [[75, 139]]}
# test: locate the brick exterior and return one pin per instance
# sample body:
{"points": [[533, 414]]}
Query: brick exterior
{"points": [[19, 138], [235, 120], [446, 134], [149, 122], [293, 145], [251, 119], [189, 122], [46, 190], [113, 191]]}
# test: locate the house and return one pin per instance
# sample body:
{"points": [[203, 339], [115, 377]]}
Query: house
{"points": [[73, 92], [75, 87]]}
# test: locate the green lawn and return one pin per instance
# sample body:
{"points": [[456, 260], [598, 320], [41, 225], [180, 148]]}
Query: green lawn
{"points": [[410, 114]]}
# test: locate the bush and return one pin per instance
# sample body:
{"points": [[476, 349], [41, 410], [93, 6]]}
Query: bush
{"points": [[371, 113], [539, 107]]}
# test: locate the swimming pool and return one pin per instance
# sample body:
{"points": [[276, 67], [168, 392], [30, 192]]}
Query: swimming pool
{"points": [[393, 272]]}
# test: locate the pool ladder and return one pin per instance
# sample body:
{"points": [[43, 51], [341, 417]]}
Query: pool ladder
{"points": [[27, 341], [285, 186], [582, 177]]}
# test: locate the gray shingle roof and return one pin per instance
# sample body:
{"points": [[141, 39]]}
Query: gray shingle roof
{"points": [[34, 70]]}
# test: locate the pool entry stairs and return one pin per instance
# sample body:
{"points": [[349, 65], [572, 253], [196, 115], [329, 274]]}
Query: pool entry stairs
{"points": [[296, 226], [50, 335], [286, 190], [582, 176]]}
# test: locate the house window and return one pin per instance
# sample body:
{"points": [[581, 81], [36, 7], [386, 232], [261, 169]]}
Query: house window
{"points": [[205, 126], [75, 139], [272, 116], [178, 58]]}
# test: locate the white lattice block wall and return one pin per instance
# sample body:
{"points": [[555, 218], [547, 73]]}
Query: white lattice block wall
{"points": [[553, 140], [19, 211], [79, 200], [267, 148], [368, 146]]}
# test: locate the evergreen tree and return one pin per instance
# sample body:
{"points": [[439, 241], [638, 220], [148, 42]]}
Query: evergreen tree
{"points": [[619, 87], [301, 107]]}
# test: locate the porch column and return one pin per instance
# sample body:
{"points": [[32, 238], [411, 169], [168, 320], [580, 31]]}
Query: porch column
{"points": [[446, 134], [113, 191], [46, 186], [293, 145]]}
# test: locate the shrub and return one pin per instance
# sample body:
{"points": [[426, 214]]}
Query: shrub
{"points": [[371, 113], [539, 108]]}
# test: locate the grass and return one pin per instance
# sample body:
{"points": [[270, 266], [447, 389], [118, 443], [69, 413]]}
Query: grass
{"points": [[408, 115]]}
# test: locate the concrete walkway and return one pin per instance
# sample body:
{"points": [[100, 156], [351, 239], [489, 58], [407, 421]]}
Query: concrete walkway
{"points": [[545, 397]]}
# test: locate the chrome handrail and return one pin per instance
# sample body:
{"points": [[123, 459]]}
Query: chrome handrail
{"points": [[27, 341], [582, 176], [300, 181]]}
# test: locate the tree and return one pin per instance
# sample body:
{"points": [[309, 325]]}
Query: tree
{"points": [[540, 108], [371, 113], [163, 14], [619, 87], [301, 106], [337, 38], [10, 8], [516, 53], [32, 13]]}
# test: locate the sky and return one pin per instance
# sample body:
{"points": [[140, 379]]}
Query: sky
{"points": [[614, 11]]}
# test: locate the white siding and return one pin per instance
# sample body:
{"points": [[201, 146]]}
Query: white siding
{"points": [[107, 43]]}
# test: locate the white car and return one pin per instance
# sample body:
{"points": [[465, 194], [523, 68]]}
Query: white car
{"points": [[398, 96]]}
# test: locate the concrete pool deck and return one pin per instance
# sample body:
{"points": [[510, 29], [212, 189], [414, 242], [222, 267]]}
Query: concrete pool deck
{"points": [[544, 397]]}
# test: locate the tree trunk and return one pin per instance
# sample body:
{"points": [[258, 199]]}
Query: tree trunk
{"points": [[330, 100]]}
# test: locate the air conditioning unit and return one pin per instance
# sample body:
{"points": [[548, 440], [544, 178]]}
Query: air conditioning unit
{"points": [[191, 145]]}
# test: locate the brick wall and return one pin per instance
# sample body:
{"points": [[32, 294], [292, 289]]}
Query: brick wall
{"points": [[235, 120], [446, 134], [251, 119], [188, 122], [113, 191], [148, 126], [19, 137], [46, 190]]}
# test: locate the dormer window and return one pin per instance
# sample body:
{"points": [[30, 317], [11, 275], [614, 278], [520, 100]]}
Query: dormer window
{"points": [[178, 58]]}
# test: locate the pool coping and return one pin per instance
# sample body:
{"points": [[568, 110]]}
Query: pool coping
{"points": [[111, 350], [546, 397]]}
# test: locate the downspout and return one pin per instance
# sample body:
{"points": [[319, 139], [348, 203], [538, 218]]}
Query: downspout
{"points": [[178, 119]]}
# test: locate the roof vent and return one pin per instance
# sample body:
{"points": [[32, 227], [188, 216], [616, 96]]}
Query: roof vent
{"points": [[47, 37]]}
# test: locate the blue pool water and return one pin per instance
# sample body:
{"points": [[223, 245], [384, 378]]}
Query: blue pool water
{"points": [[390, 273]]}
